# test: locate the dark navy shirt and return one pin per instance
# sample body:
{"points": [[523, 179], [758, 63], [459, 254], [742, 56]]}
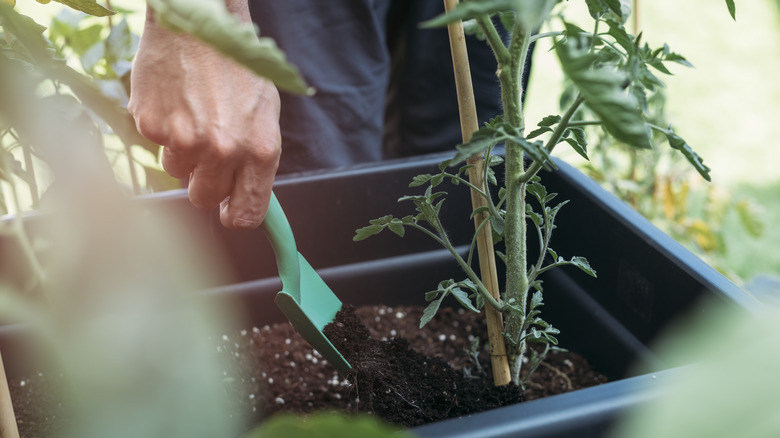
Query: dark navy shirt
{"points": [[385, 87]]}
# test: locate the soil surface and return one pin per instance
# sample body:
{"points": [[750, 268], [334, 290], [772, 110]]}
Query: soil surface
{"points": [[403, 374]]}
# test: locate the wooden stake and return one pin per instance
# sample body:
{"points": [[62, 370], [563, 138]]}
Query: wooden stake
{"points": [[8, 427], [487, 259]]}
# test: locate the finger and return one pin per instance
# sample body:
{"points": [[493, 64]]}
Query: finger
{"points": [[176, 164], [210, 184], [248, 203]]}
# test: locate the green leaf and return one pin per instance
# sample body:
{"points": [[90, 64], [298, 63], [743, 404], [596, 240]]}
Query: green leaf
{"points": [[470, 10], [482, 139], [471, 27], [676, 142], [121, 43], [531, 13], [732, 9], [582, 263], [549, 120], [537, 132], [620, 8], [90, 7], [325, 425], [210, 22], [536, 300], [431, 310], [82, 39], [366, 232], [534, 216], [604, 92], [377, 225], [579, 143], [536, 151], [618, 32], [596, 8], [437, 179], [538, 191], [419, 180], [463, 299], [397, 227]]}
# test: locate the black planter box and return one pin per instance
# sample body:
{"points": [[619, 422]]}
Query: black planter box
{"points": [[645, 281]]}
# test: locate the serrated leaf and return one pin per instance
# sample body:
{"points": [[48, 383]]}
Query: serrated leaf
{"points": [[582, 263], [463, 299], [419, 180], [431, 310], [676, 142], [408, 220], [549, 121], [596, 8], [480, 140], [618, 32], [536, 300], [538, 191], [621, 8], [603, 91], [580, 149], [366, 232], [90, 7], [396, 227], [537, 132], [537, 152], [210, 22], [677, 58], [552, 253]]}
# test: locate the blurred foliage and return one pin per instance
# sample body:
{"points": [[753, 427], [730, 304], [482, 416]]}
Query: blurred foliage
{"points": [[87, 59], [731, 388], [326, 425], [661, 186]]}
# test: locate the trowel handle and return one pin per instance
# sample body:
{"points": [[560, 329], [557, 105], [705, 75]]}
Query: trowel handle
{"points": [[279, 233]]}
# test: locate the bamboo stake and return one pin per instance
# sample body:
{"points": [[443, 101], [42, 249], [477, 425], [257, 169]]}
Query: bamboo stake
{"points": [[8, 427], [487, 259]]}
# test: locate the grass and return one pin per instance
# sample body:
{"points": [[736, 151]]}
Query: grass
{"points": [[726, 108]]}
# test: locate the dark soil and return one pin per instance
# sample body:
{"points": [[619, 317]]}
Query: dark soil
{"points": [[403, 374]]}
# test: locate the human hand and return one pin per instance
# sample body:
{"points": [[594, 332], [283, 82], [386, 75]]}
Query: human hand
{"points": [[218, 123]]}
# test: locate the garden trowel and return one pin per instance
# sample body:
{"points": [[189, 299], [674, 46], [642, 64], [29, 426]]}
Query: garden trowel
{"points": [[305, 299]]}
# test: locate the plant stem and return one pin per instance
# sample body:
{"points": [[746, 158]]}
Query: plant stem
{"points": [[494, 39], [515, 231], [555, 138]]}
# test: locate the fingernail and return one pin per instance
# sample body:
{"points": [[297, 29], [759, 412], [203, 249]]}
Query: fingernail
{"points": [[246, 224]]}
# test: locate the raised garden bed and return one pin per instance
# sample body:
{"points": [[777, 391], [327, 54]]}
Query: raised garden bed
{"points": [[645, 281]]}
